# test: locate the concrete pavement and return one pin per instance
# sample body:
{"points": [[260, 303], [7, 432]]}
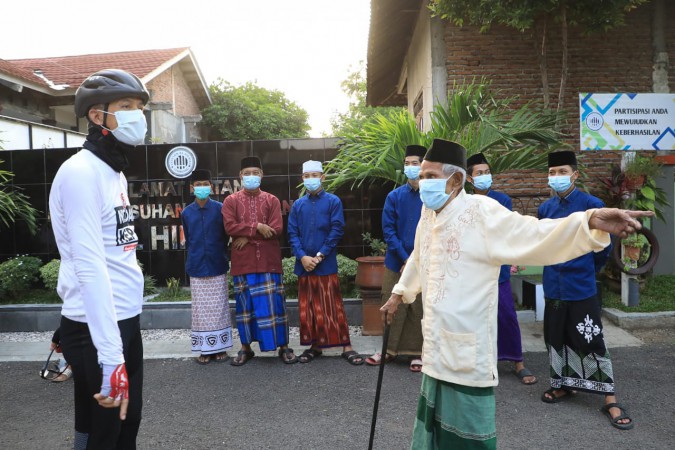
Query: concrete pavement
{"points": [[327, 404]]}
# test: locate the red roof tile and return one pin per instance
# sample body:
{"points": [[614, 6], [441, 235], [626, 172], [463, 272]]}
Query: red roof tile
{"points": [[72, 70]]}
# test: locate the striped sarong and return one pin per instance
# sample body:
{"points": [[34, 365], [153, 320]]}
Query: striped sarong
{"points": [[578, 357], [453, 416], [323, 321], [211, 323], [261, 310]]}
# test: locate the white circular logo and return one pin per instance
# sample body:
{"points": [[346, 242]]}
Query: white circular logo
{"points": [[594, 121], [180, 161]]}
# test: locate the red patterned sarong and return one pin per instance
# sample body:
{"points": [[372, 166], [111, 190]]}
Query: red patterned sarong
{"points": [[322, 315]]}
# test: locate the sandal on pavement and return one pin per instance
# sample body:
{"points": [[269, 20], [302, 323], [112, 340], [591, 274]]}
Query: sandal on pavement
{"points": [[243, 356], [309, 355], [63, 376], [287, 356], [416, 365], [523, 373], [203, 359], [376, 359], [353, 358], [553, 398], [220, 357], [615, 420]]}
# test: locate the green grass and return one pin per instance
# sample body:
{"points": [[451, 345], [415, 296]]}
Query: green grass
{"points": [[32, 297], [657, 295], [166, 295]]}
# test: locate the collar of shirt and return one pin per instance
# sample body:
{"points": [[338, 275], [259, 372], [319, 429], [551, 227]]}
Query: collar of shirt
{"points": [[569, 197], [319, 194]]}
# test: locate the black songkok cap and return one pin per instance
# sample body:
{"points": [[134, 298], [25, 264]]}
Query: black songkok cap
{"points": [[446, 152], [201, 175], [566, 158], [250, 161], [415, 150], [476, 158]]}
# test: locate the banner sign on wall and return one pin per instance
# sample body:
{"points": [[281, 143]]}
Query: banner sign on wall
{"points": [[627, 121]]}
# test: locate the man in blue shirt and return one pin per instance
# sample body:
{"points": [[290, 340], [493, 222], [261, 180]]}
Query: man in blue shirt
{"points": [[509, 345], [207, 265], [579, 359], [315, 226], [402, 210]]}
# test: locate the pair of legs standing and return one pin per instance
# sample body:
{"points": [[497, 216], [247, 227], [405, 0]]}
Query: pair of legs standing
{"points": [[95, 426]]}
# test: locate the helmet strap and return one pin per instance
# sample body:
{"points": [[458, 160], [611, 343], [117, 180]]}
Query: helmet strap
{"points": [[105, 118]]}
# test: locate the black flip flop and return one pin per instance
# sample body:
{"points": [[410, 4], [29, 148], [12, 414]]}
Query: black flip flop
{"points": [[309, 355], [351, 356], [243, 356], [287, 351], [615, 420]]}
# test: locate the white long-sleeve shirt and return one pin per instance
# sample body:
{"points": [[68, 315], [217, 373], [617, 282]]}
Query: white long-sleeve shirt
{"points": [[100, 281], [455, 264]]}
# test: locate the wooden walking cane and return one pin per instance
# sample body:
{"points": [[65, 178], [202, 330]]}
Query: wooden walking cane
{"points": [[385, 338]]}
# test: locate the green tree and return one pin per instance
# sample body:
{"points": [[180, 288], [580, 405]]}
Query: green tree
{"points": [[249, 112], [474, 117], [14, 204], [523, 15], [358, 113]]}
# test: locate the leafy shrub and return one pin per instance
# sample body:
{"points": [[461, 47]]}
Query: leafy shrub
{"points": [[18, 274], [149, 285], [50, 274], [173, 288]]}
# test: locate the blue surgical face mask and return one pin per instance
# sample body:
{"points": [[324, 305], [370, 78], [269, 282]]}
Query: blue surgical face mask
{"points": [[251, 182], [202, 192], [482, 182], [312, 184], [131, 126], [432, 193], [560, 183], [412, 172]]}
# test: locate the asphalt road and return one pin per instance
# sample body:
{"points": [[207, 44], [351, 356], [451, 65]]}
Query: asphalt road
{"points": [[327, 404]]}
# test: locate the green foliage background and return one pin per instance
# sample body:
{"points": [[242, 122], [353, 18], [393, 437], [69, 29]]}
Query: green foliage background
{"points": [[251, 112]]}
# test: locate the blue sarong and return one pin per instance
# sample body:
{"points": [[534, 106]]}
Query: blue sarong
{"points": [[261, 310]]}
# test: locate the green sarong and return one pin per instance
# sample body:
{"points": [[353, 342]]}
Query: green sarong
{"points": [[452, 416]]}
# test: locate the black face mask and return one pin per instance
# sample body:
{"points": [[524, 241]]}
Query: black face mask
{"points": [[107, 148]]}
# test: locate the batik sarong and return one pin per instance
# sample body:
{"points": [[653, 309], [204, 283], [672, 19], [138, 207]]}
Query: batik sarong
{"points": [[405, 330], [453, 416], [261, 310], [211, 324], [509, 345], [323, 322], [576, 348]]}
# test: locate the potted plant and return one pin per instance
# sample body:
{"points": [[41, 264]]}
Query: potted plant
{"points": [[639, 169], [635, 250], [369, 276], [370, 270]]}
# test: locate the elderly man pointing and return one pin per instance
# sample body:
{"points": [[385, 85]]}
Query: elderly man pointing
{"points": [[460, 244]]}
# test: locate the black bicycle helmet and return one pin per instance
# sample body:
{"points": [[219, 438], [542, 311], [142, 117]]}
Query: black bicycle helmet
{"points": [[106, 86]]}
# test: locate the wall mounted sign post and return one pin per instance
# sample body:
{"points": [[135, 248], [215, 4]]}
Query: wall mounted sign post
{"points": [[627, 121]]}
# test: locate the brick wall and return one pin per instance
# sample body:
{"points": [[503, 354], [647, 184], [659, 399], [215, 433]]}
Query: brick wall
{"points": [[163, 92], [617, 61]]}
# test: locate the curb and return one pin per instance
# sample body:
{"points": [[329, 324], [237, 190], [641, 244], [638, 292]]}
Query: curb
{"points": [[640, 320], [160, 315], [178, 315]]}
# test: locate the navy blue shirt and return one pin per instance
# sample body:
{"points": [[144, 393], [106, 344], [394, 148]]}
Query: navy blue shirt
{"points": [[505, 201], [316, 224], [402, 211], [575, 279], [205, 239]]}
